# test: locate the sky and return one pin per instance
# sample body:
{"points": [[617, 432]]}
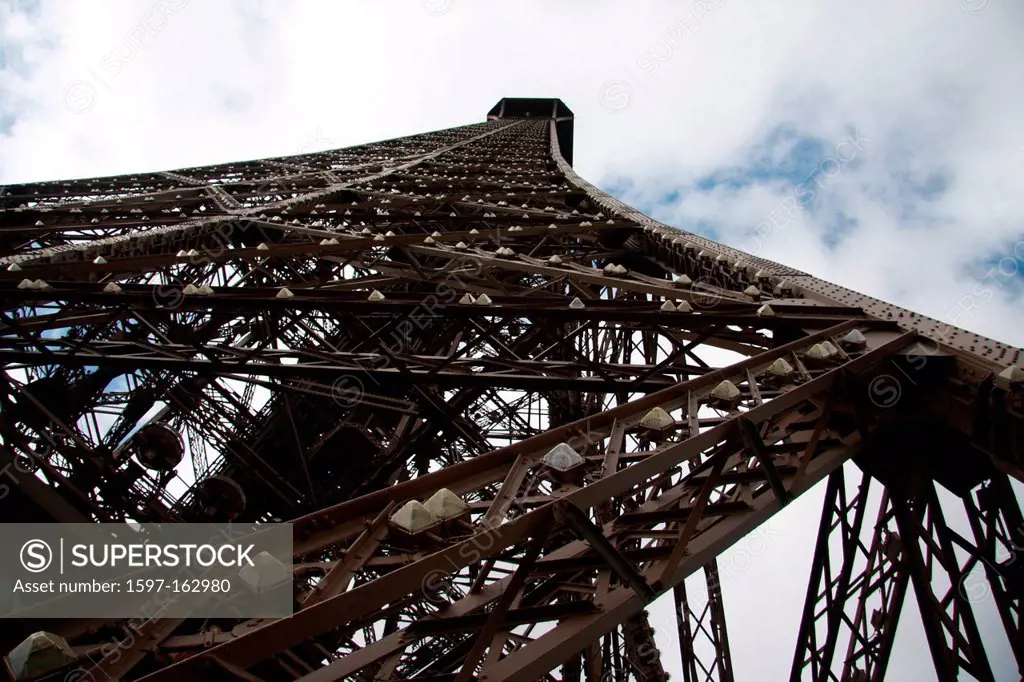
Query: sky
{"points": [[874, 144]]}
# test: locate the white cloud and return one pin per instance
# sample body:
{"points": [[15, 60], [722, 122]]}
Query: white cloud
{"points": [[91, 88]]}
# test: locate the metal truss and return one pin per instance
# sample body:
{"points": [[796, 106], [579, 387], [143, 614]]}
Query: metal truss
{"points": [[870, 579], [704, 629], [330, 336], [860, 602]]}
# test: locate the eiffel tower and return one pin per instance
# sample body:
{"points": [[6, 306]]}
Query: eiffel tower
{"points": [[505, 412]]}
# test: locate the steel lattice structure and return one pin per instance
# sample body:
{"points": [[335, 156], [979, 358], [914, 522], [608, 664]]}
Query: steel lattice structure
{"points": [[332, 335]]}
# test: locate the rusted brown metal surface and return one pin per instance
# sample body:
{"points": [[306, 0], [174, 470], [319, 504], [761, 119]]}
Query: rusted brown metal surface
{"points": [[608, 402]]}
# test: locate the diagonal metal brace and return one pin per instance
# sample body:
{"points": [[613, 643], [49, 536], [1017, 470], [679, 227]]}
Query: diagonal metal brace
{"points": [[573, 517], [752, 439]]}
